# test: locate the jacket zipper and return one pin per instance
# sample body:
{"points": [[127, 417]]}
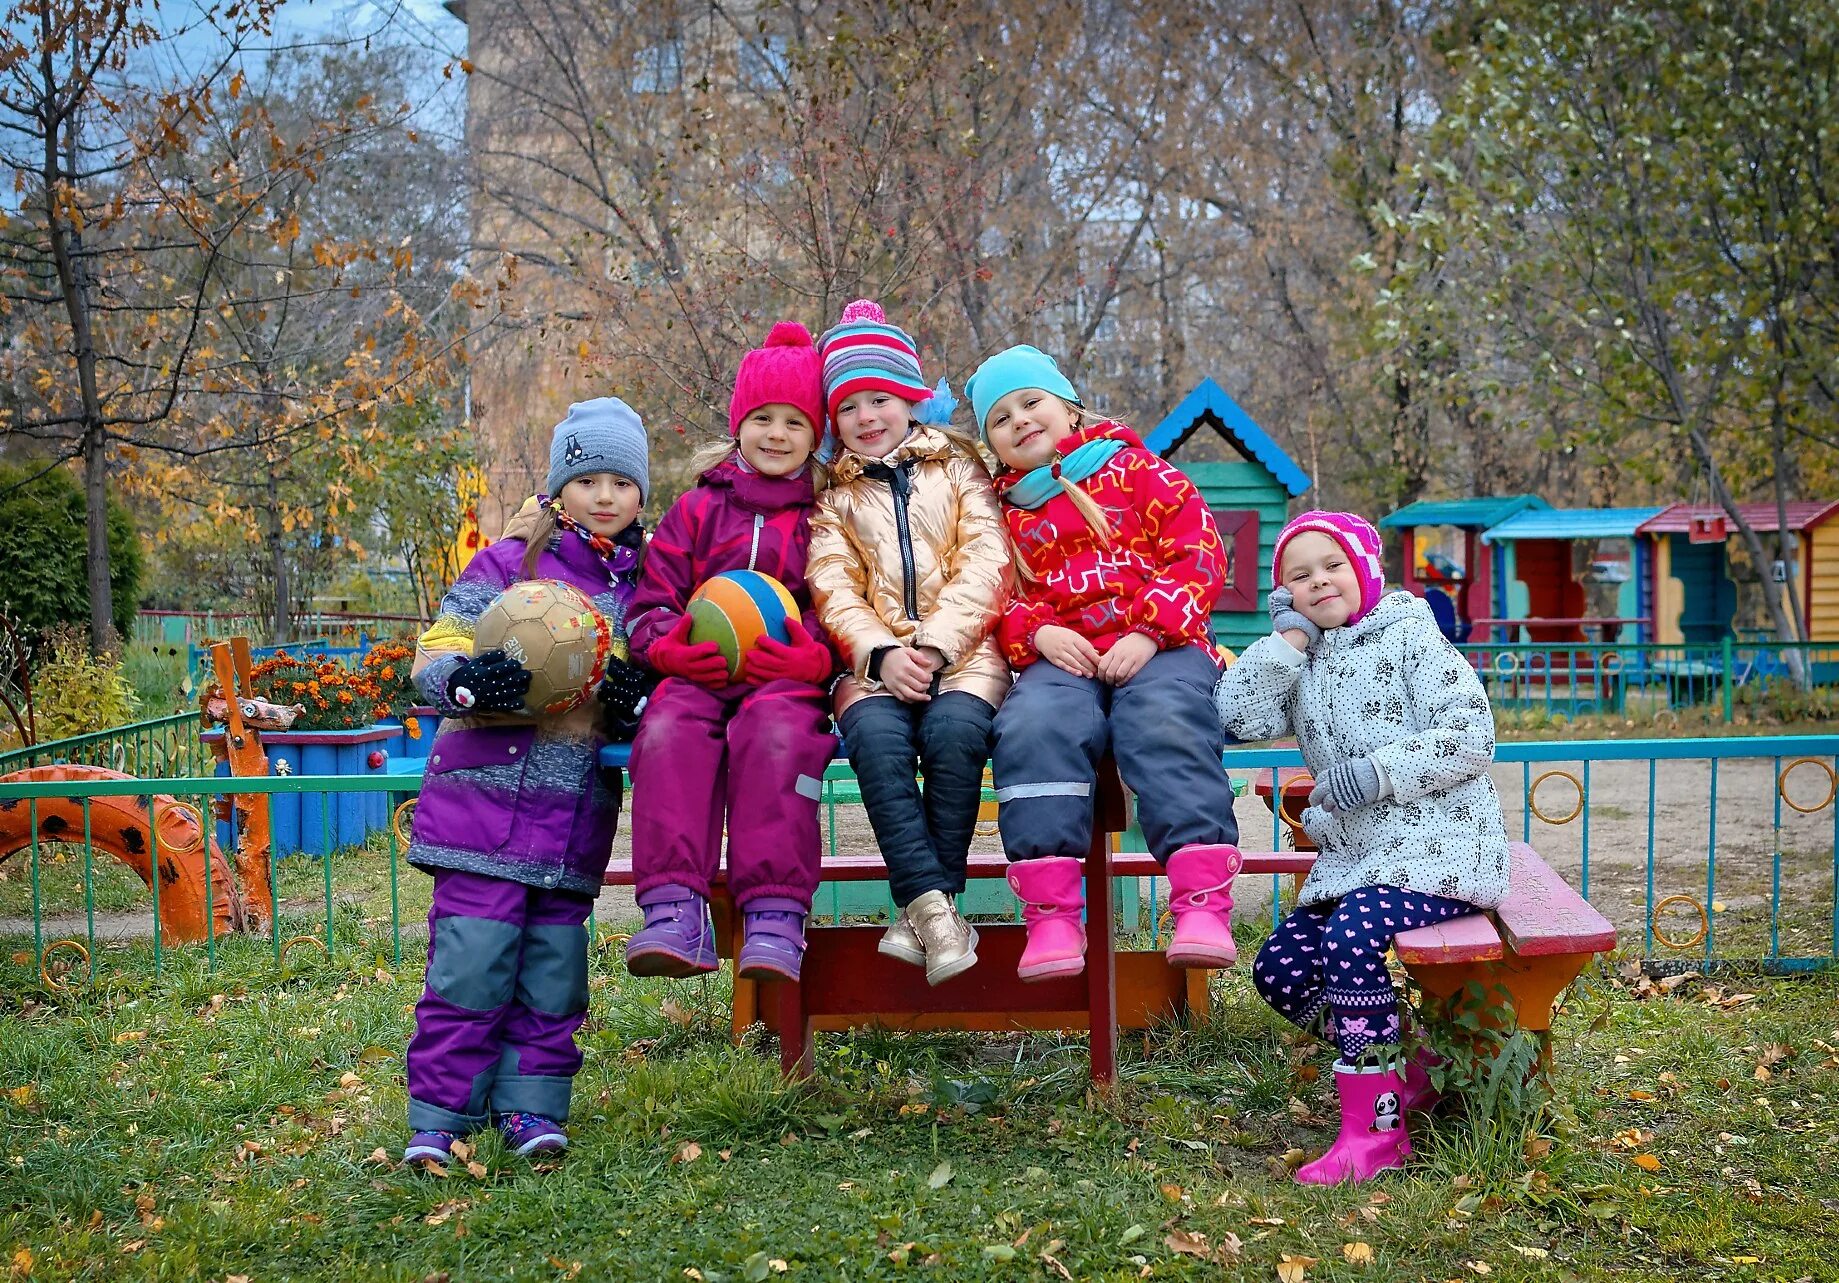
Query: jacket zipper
{"points": [[753, 550], [899, 482]]}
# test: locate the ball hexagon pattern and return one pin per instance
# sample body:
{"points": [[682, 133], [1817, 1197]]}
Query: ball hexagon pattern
{"points": [[552, 630]]}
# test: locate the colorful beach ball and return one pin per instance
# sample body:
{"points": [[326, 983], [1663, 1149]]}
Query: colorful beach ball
{"points": [[736, 609], [553, 630]]}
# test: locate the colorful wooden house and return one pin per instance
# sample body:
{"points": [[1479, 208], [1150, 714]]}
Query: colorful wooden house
{"points": [[1443, 554], [1695, 599], [1250, 498], [1573, 575]]}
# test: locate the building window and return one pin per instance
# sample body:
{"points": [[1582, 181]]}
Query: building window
{"points": [[1239, 532]]}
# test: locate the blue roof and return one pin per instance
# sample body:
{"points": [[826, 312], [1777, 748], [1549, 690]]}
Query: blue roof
{"points": [[1210, 402], [1479, 513], [1571, 523]]}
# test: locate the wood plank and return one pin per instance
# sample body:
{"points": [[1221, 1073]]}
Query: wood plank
{"points": [[1542, 915], [1124, 864], [1471, 938]]}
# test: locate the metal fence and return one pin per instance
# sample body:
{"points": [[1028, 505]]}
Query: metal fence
{"points": [[192, 627], [1705, 853], [1573, 678], [158, 748]]}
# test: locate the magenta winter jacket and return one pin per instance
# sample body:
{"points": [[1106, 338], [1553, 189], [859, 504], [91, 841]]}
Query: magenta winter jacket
{"points": [[734, 519]]}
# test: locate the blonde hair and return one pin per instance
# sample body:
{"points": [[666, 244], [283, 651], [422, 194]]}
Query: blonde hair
{"points": [[1087, 505], [718, 452]]}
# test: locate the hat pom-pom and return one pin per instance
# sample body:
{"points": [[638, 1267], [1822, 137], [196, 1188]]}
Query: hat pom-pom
{"points": [[788, 334], [864, 309], [936, 410]]}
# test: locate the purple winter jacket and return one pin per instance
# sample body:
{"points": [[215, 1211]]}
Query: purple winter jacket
{"points": [[509, 796]]}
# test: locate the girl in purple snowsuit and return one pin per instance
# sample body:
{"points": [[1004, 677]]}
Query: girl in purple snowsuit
{"points": [[516, 820], [751, 750]]}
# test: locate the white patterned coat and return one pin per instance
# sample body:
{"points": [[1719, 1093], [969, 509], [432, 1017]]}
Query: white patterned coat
{"points": [[1390, 687]]}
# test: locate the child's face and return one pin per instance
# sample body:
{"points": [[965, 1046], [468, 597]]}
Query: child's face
{"points": [[602, 503], [1025, 426], [872, 423], [1321, 579], [777, 439]]}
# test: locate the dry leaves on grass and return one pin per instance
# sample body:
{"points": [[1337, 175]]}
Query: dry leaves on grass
{"points": [[1194, 1243], [444, 1212], [1357, 1253], [688, 1152], [1293, 1269]]}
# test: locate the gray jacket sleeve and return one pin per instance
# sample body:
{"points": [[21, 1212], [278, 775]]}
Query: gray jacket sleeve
{"points": [[1253, 696], [1458, 741]]}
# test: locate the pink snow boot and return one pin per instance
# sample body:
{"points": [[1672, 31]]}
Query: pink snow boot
{"points": [[1372, 1134], [1052, 892], [1200, 897], [1419, 1096]]}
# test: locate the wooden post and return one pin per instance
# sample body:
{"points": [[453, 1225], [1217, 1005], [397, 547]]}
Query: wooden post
{"points": [[243, 749]]}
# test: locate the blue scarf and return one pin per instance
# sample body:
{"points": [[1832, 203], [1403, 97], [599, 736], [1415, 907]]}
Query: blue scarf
{"points": [[1043, 483]]}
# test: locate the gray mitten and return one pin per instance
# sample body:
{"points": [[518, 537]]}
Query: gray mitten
{"points": [[1347, 787], [1285, 616]]}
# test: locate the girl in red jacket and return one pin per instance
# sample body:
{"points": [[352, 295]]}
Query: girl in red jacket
{"points": [[1120, 564], [751, 750]]}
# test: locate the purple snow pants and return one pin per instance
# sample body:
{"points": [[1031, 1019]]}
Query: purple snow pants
{"points": [[507, 988], [754, 754]]}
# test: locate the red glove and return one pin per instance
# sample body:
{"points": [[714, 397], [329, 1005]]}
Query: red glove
{"points": [[803, 659], [675, 656]]}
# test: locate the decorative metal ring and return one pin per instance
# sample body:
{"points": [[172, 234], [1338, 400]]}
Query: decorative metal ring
{"points": [[197, 814], [1610, 663], [1283, 810], [315, 941], [1832, 785], [986, 828], [44, 972], [1537, 662], [407, 806], [1668, 941], [1532, 794], [1506, 663]]}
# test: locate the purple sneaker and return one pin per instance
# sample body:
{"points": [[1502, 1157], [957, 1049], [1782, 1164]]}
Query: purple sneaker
{"points": [[526, 1134], [430, 1147], [774, 938], [677, 940]]}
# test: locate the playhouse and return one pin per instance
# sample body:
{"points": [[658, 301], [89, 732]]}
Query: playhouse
{"points": [[1444, 560], [1249, 496], [1694, 592], [1573, 575]]}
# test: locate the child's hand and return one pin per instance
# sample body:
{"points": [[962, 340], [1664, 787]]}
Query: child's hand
{"points": [[802, 659], [1290, 623], [675, 656], [1126, 656], [907, 674], [491, 682], [1347, 787], [1067, 650]]}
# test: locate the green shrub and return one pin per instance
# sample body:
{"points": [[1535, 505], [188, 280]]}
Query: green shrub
{"points": [[43, 581], [75, 692]]}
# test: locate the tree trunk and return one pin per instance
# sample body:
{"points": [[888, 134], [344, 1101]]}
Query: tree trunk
{"points": [[277, 552]]}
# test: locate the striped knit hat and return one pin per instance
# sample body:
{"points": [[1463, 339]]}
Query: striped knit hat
{"points": [[862, 352], [1358, 540]]}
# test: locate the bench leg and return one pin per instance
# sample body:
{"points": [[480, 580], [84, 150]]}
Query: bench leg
{"points": [[795, 1059], [1101, 963]]}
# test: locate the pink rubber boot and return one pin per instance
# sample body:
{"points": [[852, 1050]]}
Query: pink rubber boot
{"points": [[1418, 1095], [1200, 897], [1373, 1136], [1052, 892]]}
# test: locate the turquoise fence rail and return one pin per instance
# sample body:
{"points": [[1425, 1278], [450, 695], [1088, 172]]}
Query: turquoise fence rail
{"points": [[1574, 678], [192, 627], [156, 748], [1708, 854]]}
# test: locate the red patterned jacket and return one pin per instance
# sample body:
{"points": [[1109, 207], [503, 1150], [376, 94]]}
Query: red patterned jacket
{"points": [[1160, 576]]}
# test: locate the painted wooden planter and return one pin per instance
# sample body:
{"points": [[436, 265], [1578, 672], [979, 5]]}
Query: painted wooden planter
{"points": [[315, 823]]}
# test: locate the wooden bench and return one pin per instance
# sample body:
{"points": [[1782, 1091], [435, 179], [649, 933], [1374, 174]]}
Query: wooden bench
{"points": [[846, 984], [1538, 941]]}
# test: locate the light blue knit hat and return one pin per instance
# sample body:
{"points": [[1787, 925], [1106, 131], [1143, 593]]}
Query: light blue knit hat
{"points": [[602, 435], [1013, 368]]}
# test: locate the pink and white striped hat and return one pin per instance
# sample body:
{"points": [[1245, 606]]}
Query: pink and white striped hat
{"points": [[1358, 540]]}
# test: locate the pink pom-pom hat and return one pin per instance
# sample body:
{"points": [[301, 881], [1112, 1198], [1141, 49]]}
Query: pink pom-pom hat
{"points": [[1358, 540], [785, 370]]}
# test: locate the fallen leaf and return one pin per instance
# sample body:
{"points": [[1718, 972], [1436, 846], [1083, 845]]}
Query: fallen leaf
{"points": [[1537, 1147], [999, 1252], [22, 1096], [476, 1170], [444, 1212], [940, 1175], [1294, 1269], [22, 1262], [1481, 1267], [1172, 1193], [132, 1246], [688, 1152], [676, 1012], [1131, 1234], [130, 1035], [1188, 1243], [1530, 1253], [1357, 1253], [1266, 1220], [461, 1150], [1646, 1162]]}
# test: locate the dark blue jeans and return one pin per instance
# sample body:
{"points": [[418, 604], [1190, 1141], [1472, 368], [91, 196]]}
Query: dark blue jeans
{"points": [[924, 838]]}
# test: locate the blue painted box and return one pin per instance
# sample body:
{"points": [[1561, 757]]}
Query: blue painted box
{"points": [[315, 823]]}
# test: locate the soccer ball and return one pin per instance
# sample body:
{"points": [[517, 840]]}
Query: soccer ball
{"points": [[554, 632]]}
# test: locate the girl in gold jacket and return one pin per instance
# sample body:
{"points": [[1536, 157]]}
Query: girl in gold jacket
{"points": [[909, 566]]}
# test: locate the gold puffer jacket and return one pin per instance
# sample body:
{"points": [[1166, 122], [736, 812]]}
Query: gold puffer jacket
{"points": [[927, 568]]}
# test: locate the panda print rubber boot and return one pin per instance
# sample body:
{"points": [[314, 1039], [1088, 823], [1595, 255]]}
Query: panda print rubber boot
{"points": [[1373, 1136]]}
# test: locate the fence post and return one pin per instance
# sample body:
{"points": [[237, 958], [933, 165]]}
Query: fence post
{"points": [[1729, 676]]}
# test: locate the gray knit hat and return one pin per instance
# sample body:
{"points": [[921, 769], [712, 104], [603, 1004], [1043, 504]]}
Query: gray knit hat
{"points": [[602, 435]]}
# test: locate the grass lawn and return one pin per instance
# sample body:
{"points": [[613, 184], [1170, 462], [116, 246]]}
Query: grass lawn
{"points": [[243, 1122]]}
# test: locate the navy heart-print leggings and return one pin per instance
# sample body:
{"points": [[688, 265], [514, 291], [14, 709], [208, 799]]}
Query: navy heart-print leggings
{"points": [[1334, 956]]}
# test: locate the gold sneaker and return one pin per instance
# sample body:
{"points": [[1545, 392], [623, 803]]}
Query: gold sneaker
{"points": [[950, 943], [898, 941]]}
